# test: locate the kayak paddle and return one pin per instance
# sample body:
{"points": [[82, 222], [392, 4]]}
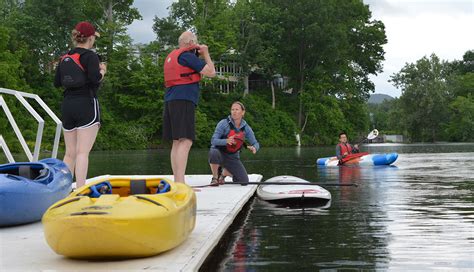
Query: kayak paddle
{"points": [[372, 135]]}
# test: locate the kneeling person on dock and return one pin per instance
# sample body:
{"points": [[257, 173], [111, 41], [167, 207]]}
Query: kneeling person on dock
{"points": [[227, 141], [344, 148]]}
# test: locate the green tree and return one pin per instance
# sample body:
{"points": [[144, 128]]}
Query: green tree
{"points": [[325, 119], [336, 45], [45, 28], [388, 117], [12, 77], [11, 70], [210, 20], [258, 34], [111, 17], [167, 31], [134, 95], [461, 126], [424, 97], [327, 48], [461, 76], [461, 108]]}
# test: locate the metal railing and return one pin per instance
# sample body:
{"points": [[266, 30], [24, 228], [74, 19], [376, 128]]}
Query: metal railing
{"points": [[20, 96], [4, 146]]}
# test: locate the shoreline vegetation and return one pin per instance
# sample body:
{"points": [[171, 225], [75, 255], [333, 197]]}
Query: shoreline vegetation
{"points": [[297, 72], [323, 150]]}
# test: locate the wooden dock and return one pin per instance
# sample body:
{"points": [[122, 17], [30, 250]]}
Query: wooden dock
{"points": [[23, 248]]}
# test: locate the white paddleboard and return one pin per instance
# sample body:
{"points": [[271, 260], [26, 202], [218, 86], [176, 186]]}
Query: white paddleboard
{"points": [[292, 193]]}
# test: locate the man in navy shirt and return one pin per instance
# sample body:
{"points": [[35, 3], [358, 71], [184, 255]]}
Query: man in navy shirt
{"points": [[183, 70]]}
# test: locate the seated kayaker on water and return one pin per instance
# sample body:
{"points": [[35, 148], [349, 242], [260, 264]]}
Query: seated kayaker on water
{"points": [[344, 148], [227, 141]]}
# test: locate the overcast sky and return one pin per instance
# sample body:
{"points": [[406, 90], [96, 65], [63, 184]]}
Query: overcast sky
{"points": [[414, 28]]}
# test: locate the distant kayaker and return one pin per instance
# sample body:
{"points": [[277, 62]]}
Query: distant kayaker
{"points": [[227, 141], [183, 70], [344, 148], [80, 74]]}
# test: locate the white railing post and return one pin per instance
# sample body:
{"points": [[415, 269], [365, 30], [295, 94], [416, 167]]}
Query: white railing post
{"points": [[7, 152], [39, 134], [59, 125], [15, 128]]}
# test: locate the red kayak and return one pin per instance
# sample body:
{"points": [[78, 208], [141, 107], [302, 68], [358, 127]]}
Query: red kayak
{"points": [[347, 159]]}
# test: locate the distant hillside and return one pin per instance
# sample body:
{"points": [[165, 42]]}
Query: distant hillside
{"points": [[379, 98]]}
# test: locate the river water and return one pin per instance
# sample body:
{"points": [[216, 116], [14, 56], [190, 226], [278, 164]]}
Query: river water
{"points": [[415, 215]]}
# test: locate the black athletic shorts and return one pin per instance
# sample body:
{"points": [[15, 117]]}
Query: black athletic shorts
{"points": [[178, 120], [79, 112]]}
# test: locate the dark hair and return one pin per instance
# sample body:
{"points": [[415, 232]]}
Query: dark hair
{"points": [[240, 104], [342, 133]]}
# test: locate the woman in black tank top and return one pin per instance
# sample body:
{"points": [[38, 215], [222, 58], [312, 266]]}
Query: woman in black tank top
{"points": [[80, 74]]}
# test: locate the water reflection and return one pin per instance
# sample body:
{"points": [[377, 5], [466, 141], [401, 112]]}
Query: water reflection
{"points": [[308, 239], [245, 247], [357, 174], [351, 234]]}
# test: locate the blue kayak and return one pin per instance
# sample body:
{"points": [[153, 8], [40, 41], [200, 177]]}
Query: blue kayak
{"points": [[360, 159], [27, 189]]}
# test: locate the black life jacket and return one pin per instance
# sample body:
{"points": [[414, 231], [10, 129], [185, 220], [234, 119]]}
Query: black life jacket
{"points": [[239, 137], [73, 74]]}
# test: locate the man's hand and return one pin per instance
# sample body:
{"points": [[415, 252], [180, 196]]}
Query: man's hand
{"points": [[203, 50], [356, 146], [345, 154], [252, 148], [209, 70]]}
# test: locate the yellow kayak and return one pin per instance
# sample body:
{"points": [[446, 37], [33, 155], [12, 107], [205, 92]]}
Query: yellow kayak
{"points": [[116, 217]]}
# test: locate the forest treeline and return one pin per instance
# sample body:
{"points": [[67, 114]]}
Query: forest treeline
{"points": [[327, 55], [437, 101]]}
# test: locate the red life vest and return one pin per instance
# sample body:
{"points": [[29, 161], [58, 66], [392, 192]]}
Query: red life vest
{"points": [[345, 148], [177, 74], [239, 138]]}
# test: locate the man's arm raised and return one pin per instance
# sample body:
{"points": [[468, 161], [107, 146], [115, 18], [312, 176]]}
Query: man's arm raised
{"points": [[209, 70]]}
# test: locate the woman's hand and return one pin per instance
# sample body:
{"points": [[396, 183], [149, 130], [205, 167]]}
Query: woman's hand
{"points": [[252, 148], [231, 140], [103, 68]]}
